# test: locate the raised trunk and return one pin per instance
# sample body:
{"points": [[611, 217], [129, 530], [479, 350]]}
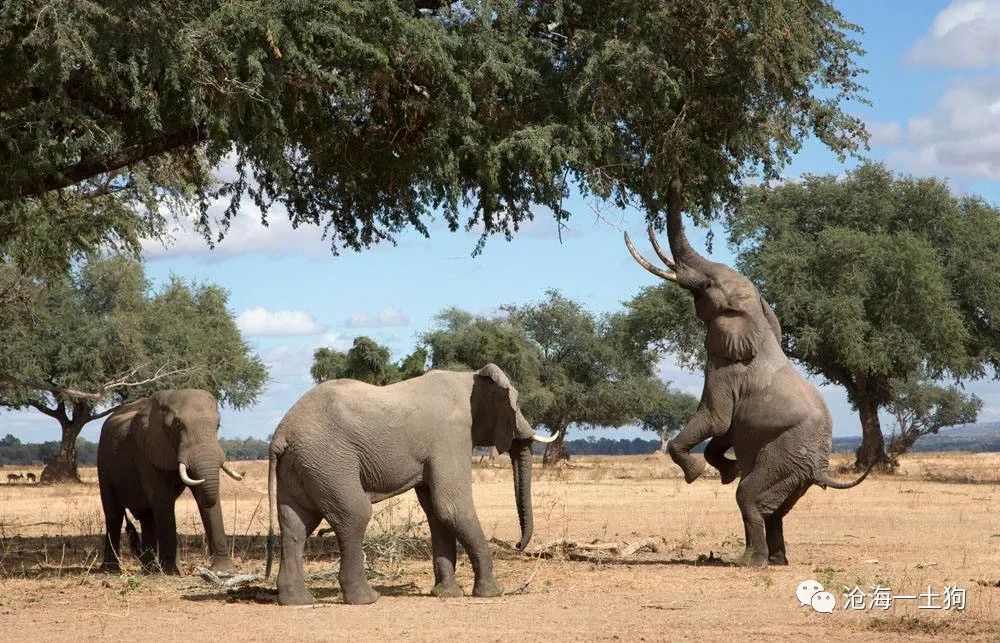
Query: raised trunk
{"points": [[556, 451], [684, 254], [872, 447], [521, 463], [63, 468]]}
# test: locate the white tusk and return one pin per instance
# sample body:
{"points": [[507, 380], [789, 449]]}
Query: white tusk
{"points": [[232, 474], [548, 440], [185, 479]]}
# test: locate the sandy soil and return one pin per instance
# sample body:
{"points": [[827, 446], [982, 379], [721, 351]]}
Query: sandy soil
{"points": [[936, 525]]}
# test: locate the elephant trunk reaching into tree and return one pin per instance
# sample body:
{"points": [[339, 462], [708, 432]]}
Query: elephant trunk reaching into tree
{"points": [[753, 400]]}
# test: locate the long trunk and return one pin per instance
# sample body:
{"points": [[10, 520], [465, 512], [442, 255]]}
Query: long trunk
{"points": [[63, 468], [205, 466], [521, 464], [683, 253], [872, 447]]}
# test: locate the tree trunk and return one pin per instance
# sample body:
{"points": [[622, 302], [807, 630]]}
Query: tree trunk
{"points": [[872, 447], [556, 451], [62, 468]]}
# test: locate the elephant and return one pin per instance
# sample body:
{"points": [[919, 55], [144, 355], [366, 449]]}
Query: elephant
{"points": [[148, 452], [345, 445], [753, 399]]}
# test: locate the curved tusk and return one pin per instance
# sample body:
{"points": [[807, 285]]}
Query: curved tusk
{"points": [[185, 479], [663, 274], [659, 251], [549, 440], [232, 474]]}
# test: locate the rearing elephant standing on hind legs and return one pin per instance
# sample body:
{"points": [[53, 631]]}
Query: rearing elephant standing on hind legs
{"points": [[753, 399]]}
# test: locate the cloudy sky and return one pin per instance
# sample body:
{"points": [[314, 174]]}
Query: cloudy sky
{"points": [[934, 83]]}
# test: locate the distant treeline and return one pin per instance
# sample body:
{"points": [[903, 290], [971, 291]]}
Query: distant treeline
{"points": [[978, 439]]}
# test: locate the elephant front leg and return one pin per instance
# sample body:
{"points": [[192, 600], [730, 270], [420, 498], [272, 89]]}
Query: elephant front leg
{"points": [[459, 515], [444, 550], [215, 534], [701, 427], [166, 537], [715, 455]]}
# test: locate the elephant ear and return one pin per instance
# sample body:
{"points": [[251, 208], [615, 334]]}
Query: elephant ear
{"points": [[151, 429], [734, 336], [772, 319], [500, 410]]}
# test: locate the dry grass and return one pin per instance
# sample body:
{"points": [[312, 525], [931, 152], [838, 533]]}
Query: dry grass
{"points": [[938, 523]]}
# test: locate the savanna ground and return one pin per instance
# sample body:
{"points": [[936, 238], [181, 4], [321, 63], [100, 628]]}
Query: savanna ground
{"points": [[937, 524]]}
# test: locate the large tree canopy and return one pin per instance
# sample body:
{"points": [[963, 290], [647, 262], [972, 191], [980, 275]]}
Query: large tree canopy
{"points": [[97, 338], [365, 116], [366, 361], [876, 279]]}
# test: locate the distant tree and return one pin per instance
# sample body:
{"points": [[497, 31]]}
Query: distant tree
{"points": [[366, 361], [876, 279], [564, 360], [922, 407], [668, 413], [97, 338]]}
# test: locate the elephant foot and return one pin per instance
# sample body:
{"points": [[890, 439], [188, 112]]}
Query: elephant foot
{"points": [[169, 568], [729, 471], [110, 567], [298, 596], [486, 589], [752, 559], [447, 590], [359, 593], [223, 564], [777, 559], [692, 470]]}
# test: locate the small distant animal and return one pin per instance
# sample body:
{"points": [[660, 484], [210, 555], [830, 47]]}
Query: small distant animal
{"points": [[14, 477], [32, 478]]}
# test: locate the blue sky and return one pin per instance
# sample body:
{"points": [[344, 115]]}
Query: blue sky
{"points": [[934, 83]]}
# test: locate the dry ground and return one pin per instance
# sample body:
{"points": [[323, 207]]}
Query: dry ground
{"points": [[937, 524]]}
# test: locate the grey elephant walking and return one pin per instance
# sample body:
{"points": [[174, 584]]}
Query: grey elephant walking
{"points": [[151, 450], [346, 444], [753, 399]]}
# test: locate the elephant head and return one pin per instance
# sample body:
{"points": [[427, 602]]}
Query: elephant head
{"points": [[178, 431], [737, 318], [497, 421]]}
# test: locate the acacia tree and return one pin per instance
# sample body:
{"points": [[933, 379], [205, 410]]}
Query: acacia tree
{"points": [[365, 116], [367, 361], [95, 339], [564, 360], [921, 407], [876, 279]]}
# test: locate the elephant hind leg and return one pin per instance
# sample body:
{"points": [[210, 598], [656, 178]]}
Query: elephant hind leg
{"points": [[458, 514], [444, 549], [296, 524], [775, 529], [349, 514]]}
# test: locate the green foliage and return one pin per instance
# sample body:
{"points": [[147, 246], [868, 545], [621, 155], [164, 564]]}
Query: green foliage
{"points": [[96, 338], [497, 105], [669, 412], [876, 279], [566, 362], [366, 361], [661, 318], [921, 407]]}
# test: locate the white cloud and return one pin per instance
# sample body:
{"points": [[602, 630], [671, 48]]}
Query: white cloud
{"points": [[388, 316], [260, 321], [890, 132], [961, 136], [965, 34]]}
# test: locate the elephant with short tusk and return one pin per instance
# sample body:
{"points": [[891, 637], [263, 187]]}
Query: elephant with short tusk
{"points": [[346, 444], [151, 450], [753, 400]]}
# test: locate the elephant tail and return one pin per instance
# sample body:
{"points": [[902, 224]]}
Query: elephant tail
{"points": [[272, 502], [824, 480]]}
